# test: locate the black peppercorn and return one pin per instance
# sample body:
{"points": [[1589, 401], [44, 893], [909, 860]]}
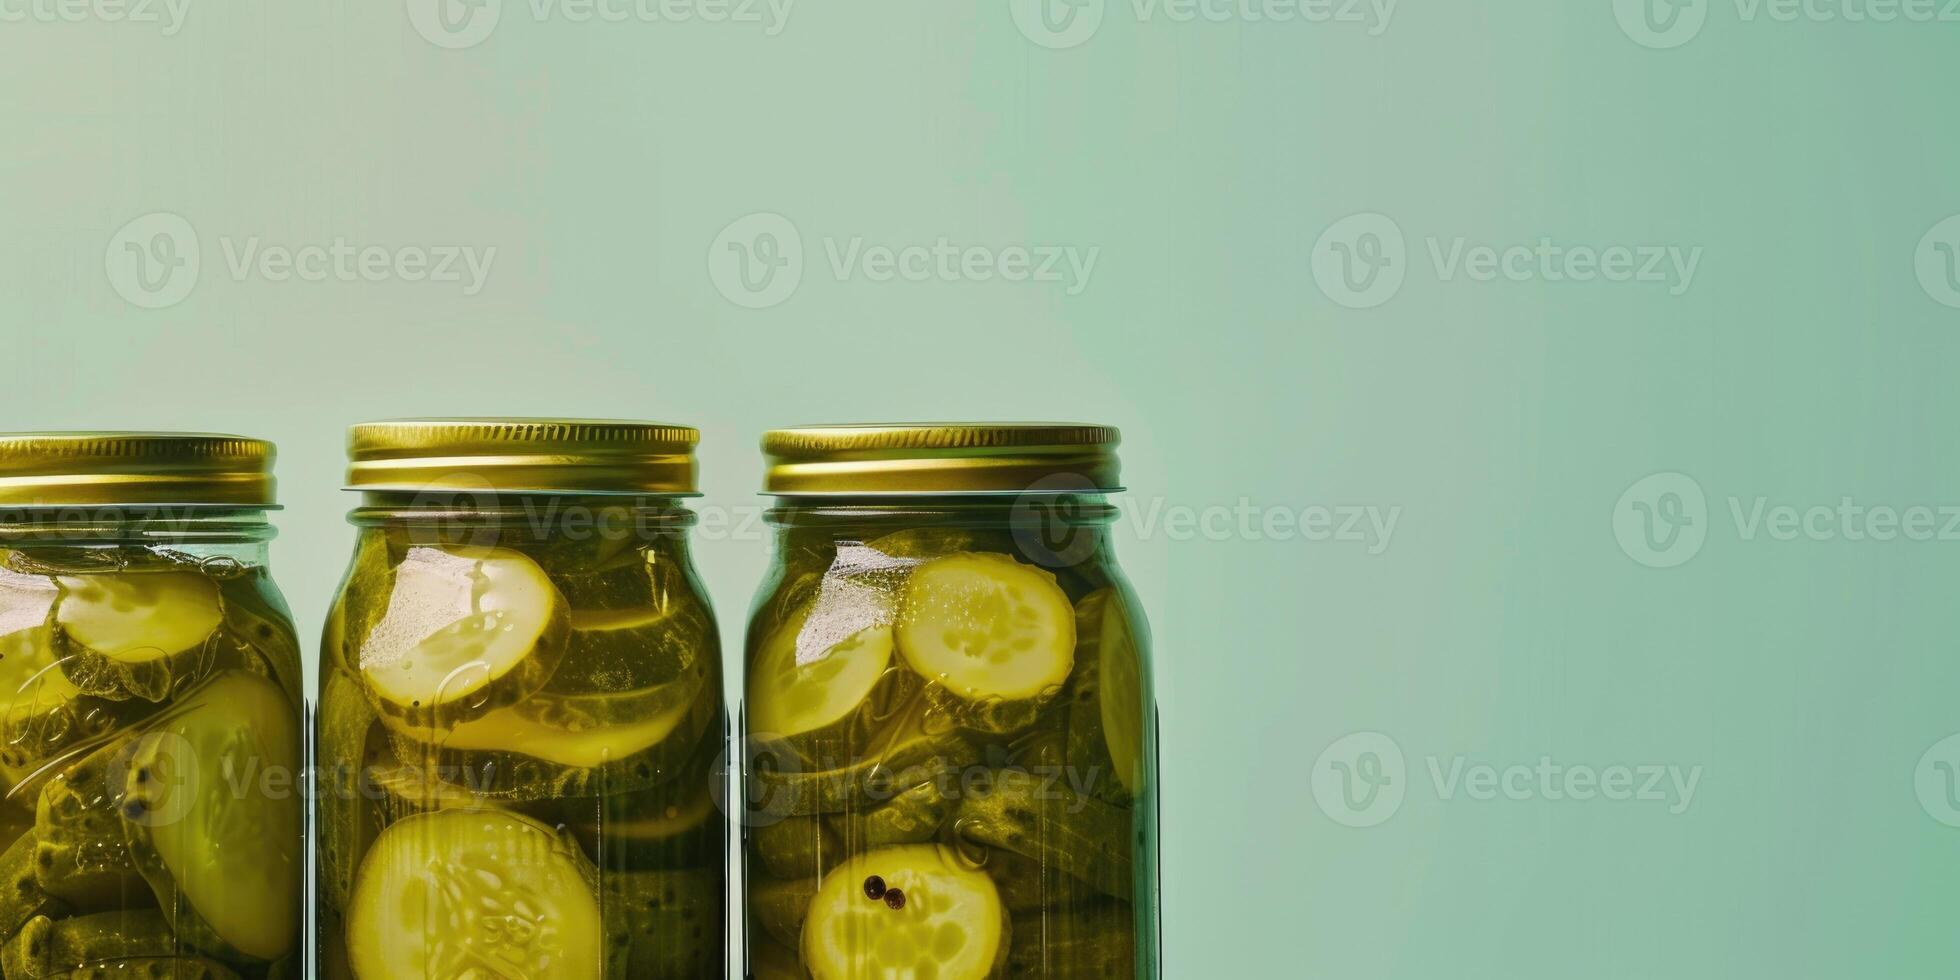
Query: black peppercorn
{"points": [[874, 888], [895, 899]]}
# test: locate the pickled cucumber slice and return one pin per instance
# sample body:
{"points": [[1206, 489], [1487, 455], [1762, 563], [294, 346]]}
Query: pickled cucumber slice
{"points": [[212, 810], [806, 678], [948, 924], [1105, 724], [631, 697], [574, 732], [42, 712], [466, 892], [47, 947], [137, 634], [467, 631], [1043, 819], [986, 626]]}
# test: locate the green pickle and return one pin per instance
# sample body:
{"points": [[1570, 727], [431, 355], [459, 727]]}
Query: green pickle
{"points": [[521, 722], [151, 757], [948, 722]]}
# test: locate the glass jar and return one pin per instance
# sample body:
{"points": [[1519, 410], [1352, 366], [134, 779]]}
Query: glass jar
{"points": [[949, 735], [521, 710], [150, 742]]}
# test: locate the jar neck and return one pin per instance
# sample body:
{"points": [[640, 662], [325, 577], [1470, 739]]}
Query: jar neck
{"points": [[1008, 510], [146, 525], [479, 518]]}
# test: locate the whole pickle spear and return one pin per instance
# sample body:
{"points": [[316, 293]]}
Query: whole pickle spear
{"points": [[81, 852], [212, 813], [47, 947], [21, 895]]}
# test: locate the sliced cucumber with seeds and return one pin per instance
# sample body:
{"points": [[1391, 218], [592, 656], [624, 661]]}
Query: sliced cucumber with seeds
{"points": [[210, 789], [806, 677], [932, 916], [466, 631], [466, 892], [139, 634], [986, 626]]}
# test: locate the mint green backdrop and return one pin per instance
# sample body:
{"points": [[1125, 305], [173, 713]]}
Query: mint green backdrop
{"points": [[1577, 294]]}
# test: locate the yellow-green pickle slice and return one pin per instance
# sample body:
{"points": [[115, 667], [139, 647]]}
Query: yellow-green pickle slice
{"points": [[806, 679], [986, 626], [212, 806], [474, 893], [466, 631], [1105, 723], [910, 911], [136, 634]]}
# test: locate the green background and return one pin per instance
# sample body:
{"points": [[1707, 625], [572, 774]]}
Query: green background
{"points": [[1503, 622]]}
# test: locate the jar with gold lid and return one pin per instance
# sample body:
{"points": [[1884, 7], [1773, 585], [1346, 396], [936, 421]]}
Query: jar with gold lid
{"points": [[150, 736], [521, 712], [948, 731]]}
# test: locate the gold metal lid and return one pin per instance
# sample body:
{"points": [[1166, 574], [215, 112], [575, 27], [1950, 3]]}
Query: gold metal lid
{"points": [[101, 469], [498, 455], [958, 457]]}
